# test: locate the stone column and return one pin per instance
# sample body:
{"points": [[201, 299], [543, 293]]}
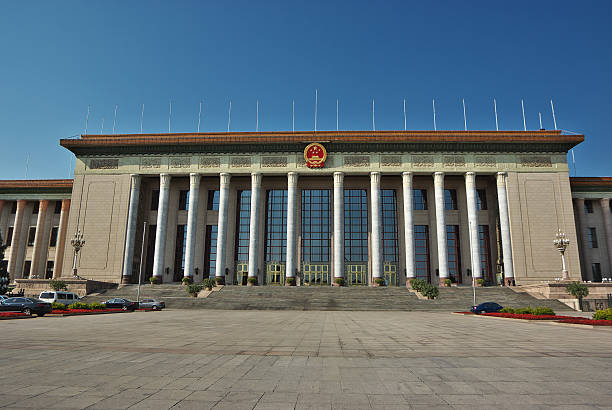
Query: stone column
{"points": [[504, 223], [38, 237], [607, 217], [61, 239], [160, 233], [17, 228], [376, 227], [470, 193], [408, 226], [2, 235], [192, 224], [585, 263], [291, 264], [441, 226], [338, 225], [254, 224], [130, 234], [224, 181]]}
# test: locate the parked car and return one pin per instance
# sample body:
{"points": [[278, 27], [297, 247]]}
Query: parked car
{"points": [[3, 297], [487, 307], [50, 296], [25, 305], [151, 304], [119, 303]]}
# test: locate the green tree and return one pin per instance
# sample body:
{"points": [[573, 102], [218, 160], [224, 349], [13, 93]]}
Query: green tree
{"points": [[577, 290], [4, 275]]}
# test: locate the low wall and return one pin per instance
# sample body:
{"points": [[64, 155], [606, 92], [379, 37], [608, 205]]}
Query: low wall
{"points": [[597, 298], [82, 287]]}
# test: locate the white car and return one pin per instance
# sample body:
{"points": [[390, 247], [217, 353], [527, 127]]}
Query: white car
{"points": [[50, 296]]}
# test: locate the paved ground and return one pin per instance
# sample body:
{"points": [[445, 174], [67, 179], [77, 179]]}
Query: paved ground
{"points": [[288, 359]]}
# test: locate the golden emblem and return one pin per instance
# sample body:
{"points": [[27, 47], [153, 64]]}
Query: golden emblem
{"points": [[315, 155]]}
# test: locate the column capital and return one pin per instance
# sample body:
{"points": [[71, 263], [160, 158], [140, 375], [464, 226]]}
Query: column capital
{"points": [[338, 178], [375, 177], [256, 179], [43, 205], [292, 178], [438, 178], [194, 178], [470, 174], [135, 177], [604, 202], [164, 181], [65, 205], [21, 203], [224, 179], [407, 174], [579, 200]]}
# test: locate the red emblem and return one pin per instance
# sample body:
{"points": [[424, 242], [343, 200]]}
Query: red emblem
{"points": [[315, 155]]}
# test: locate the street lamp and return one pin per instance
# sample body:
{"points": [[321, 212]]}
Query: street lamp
{"points": [[561, 243], [77, 243]]}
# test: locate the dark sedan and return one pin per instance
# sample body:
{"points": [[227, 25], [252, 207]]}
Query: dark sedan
{"points": [[119, 303], [151, 304], [26, 306], [487, 307]]}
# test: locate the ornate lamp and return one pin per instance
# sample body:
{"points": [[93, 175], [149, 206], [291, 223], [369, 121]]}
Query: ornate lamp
{"points": [[561, 243], [77, 243]]}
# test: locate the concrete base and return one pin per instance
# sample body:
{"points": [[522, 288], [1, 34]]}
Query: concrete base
{"points": [[82, 287], [509, 281], [251, 284], [336, 284], [125, 280], [160, 280], [441, 282]]}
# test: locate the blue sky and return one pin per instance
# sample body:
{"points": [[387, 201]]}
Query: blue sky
{"points": [[58, 57]]}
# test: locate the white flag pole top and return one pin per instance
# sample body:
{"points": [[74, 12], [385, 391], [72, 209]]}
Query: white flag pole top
{"points": [[496, 123], [169, 116], [142, 118], [464, 117], [540, 115], [404, 114], [553, 113], [102, 127], [200, 116], [87, 118], [524, 123], [229, 116], [115, 118], [433, 104]]}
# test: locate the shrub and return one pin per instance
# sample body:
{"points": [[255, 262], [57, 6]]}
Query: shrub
{"points": [[58, 306], [58, 285], [209, 283], [154, 280], [252, 280], [194, 288], [96, 306], [542, 310], [187, 280], [380, 281], [447, 282], [430, 291], [480, 282], [577, 290], [220, 280], [507, 310], [290, 281], [78, 305], [524, 311], [605, 314], [417, 284], [339, 281]]}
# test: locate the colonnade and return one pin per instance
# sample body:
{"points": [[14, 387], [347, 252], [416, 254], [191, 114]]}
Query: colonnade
{"points": [[338, 227]]}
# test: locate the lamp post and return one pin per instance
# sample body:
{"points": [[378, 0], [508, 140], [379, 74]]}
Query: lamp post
{"points": [[77, 243], [561, 243]]}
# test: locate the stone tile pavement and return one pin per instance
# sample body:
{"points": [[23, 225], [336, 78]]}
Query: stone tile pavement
{"points": [[186, 359]]}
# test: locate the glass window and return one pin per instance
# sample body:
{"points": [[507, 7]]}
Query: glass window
{"points": [[58, 207], [454, 253], [450, 199], [31, 235], [588, 206], [592, 235], [481, 199], [421, 252], [210, 258], [14, 207], [179, 252], [389, 225], [276, 225], [53, 238], [485, 251], [154, 199], [9, 236], [183, 200], [316, 225], [35, 207], [596, 269], [243, 223], [213, 201], [355, 225], [419, 199]]}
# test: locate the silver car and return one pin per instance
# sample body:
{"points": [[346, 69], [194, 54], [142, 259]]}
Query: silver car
{"points": [[151, 304]]}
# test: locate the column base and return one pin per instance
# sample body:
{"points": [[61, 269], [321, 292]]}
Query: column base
{"points": [[290, 281], [564, 275], [408, 285], [378, 284], [125, 280], [509, 282], [442, 284], [157, 280], [251, 282], [338, 282]]}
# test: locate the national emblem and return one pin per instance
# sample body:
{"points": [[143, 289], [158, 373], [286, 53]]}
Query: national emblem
{"points": [[315, 155]]}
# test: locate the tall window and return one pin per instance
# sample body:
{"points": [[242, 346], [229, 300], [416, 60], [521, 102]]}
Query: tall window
{"points": [[421, 252], [276, 225], [481, 199], [53, 238], [183, 200], [31, 235], [35, 207], [9, 236], [179, 252], [419, 199], [596, 269], [14, 208], [58, 207], [450, 199], [210, 257], [316, 226], [154, 199], [243, 221], [49, 270], [454, 254], [355, 225], [588, 206], [389, 225], [485, 251], [213, 201], [592, 235]]}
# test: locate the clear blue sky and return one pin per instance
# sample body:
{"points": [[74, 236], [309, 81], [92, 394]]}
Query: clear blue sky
{"points": [[59, 56]]}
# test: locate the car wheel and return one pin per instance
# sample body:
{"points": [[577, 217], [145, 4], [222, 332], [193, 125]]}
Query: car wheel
{"points": [[27, 311], [155, 308], [124, 308]]}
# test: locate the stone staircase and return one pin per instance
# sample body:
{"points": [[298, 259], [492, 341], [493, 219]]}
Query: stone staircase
{"points": [[326, 298]]}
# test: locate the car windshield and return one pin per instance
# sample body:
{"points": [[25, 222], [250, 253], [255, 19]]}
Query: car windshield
{"points": [[46, 295]]}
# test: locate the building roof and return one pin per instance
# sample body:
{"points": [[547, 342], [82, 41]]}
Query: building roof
{"points": [[35, 183], [362, 141], [591, 183], [35, 189]]}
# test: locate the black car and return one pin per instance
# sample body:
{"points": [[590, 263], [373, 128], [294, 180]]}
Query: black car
{"points": [[487, 307], [26, 306], [119, 303]]}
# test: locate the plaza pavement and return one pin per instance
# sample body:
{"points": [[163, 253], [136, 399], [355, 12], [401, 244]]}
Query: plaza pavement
{"points": [[198, 359]]}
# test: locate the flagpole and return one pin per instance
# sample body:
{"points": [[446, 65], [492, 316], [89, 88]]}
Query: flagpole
{"points": [[433, 103], [524, 123], [496, 123]]}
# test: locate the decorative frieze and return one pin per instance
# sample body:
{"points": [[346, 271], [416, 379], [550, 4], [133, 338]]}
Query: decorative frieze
{"points": [[240, 162], [210, 162], [180, 162], [390, 160], [104, 163], [150, 162], [357, 161], [422, 161], [454, 161], [485, 161], [274, 162], [536, 161]]}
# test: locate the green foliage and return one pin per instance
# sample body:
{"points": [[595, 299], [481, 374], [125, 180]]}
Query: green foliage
{"points": [[542, 310], [605, 314], [58, 306], [194, 288], [506, 310], [187, 280], [96, 306], [380, 281], [209, 283], [577, 290], [430, 291], [417, 284], [447, 282], [154, 280], [339, 281], [220, 280], [480, 282], [290, 281], [252, 280], [78, 305], [58, 285], [538, 311]]}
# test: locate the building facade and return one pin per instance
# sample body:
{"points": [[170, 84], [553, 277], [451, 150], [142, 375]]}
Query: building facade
{"points": [[319, 206]]}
